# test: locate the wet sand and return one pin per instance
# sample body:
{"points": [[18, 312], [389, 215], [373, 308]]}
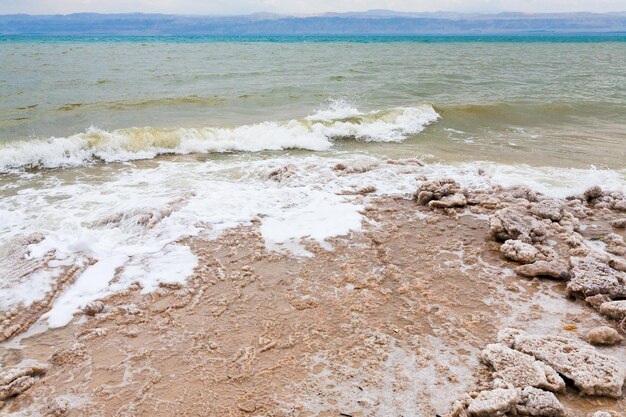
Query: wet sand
{"points": [[389, 322]]}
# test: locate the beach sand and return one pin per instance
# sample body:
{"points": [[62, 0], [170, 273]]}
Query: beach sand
{"points": [[389, 322]]}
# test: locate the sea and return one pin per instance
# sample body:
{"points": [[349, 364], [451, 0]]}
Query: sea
{"points": [[114, 151]]}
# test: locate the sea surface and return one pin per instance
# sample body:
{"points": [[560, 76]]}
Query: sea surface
{"points": [[115, 149]]}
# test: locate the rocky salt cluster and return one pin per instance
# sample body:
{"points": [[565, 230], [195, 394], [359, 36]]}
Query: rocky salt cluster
{"points": [[529, 369], [545, 237], [16, 380]]}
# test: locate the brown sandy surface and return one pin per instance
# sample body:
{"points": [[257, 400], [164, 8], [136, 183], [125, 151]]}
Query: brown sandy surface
{"points": [[388, 323]]}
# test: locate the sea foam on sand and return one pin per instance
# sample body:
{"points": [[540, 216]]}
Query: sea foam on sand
{"points": [[126, 226]]}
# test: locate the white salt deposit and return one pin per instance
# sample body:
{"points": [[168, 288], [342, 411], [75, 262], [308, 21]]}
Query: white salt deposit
{"points": [[127, 220]]}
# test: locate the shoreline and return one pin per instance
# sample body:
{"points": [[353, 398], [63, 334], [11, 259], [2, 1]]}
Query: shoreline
{"points": [[382, 324]]}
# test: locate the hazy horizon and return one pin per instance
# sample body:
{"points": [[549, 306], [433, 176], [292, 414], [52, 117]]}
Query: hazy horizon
{"points": [[373, 12], [243, 7]]}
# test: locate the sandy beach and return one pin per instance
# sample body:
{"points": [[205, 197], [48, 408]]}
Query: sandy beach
{"points": [[392, 320], [243, 216]]}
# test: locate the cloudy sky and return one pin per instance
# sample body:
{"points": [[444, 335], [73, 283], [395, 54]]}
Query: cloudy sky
{"points": [[302, 6]]}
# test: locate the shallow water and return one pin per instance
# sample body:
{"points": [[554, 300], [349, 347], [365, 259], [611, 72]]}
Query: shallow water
{"points": [[544, 103], [113, 151]]}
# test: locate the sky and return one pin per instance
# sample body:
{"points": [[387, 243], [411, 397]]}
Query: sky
{"points": [[303, 6]]}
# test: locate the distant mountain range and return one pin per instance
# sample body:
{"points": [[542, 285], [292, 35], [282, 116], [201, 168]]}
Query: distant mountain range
{"points": [[373, 22]]}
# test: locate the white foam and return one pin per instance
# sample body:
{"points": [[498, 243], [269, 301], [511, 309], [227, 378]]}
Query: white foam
{"points": [[129, 221], [551, 181], [336, 109], [27, 291], [91, 284], [324, 216], [314, 133]]}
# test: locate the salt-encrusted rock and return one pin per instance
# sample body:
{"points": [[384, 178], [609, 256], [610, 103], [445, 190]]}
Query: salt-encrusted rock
{"points": [[568, 224], [508, 224], [518, 251], [615, 244], [356, 166], [508, 335], [282, 173], [554, 269], [597, 300], [8, 375], [548, 209], [484, 199], [519, 369], [604, 335], [435, 190], [591, 277], [605, 200], [614, 239], [614, 309], [592, 193], [454, 200], [459, 407], [17, 380], [539, 403], [617, 263], [590, 371], [575, 240], [617, 200], [577, 209], [16, 387], [93, 308], [493, 403], [523, 191], [619, 223], [604, 414], [57, 408], [406, 161]]}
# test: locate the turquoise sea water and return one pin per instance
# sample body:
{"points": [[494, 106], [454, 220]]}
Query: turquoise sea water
{"points": [[546, 100], [114, 151]]}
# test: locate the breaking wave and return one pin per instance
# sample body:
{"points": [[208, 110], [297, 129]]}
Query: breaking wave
{"points": [[315, 132]]}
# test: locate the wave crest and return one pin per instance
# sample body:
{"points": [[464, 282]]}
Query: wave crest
{"points": [[316, 133]]}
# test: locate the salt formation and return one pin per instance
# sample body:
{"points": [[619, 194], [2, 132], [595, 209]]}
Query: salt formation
{"points": [[518, 251], [454, 200], [528, 401], [93, 308], [519, 369], [522, 192], [554, 269], [539, 403], [17, 380], [600, 199], [619, 223], [446, 191], [615, 244], [495, 402], [548, 209], [614, 309], [356, 166], [591, 372], [605, 414], [591, 277], [282, 173], [527, 367], [509, 223], [604, 335]]}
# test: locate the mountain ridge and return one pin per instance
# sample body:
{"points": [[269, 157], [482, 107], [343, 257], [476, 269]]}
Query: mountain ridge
{"points": [[372, 22]]}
